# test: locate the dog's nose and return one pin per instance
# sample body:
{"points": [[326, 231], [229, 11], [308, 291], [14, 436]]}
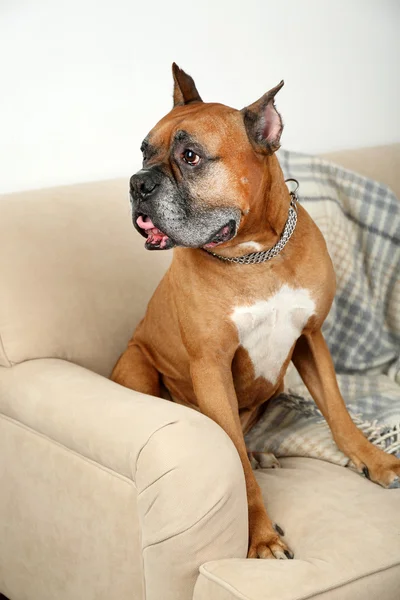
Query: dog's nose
{"points": [[144, 183]]}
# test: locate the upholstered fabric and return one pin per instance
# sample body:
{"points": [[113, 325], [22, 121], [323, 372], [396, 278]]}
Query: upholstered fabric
{"points": [[69, 527], [380, 163], [74, 277], [344, 530], [106, 491]]}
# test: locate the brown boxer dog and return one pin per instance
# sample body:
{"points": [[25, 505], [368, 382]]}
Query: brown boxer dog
{"points": [[219, 334]]}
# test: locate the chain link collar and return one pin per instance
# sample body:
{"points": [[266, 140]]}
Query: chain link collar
{"points": [[264, 255]]}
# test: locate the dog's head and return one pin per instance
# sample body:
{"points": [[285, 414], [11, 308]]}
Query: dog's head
{"points": [[203, 163]]}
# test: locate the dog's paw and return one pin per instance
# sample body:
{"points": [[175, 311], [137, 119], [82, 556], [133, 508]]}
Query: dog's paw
{"points": [[272, 547], [395, 483], [263, 460], [383, 469]]}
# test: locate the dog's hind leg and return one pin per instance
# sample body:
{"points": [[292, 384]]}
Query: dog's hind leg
{"points": [[134, 370], [312, 359]]}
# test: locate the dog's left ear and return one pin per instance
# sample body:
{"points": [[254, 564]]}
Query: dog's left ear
{"points": [[263, 122], [185, 90]]}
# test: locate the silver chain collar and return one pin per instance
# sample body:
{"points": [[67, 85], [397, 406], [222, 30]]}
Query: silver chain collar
{"points": [[264, 255]]}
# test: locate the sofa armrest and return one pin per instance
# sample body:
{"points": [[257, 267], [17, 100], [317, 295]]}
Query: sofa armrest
{"points": [[191, 498]]}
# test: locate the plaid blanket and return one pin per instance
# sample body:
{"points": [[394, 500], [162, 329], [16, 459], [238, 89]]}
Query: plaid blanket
{"points": [[360, 220]]}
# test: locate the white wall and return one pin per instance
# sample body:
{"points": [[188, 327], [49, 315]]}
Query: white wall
{"points": [[82, 81]]}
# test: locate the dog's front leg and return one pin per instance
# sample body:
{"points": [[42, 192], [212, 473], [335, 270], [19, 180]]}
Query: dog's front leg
{"points": [[313, 361], [216, 397]]}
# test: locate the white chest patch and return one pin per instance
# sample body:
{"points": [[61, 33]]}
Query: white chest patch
{"points": [[269, 328], [251, 246]]}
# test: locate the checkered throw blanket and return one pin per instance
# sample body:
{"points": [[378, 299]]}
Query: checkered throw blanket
{"points": [[360, 220]]}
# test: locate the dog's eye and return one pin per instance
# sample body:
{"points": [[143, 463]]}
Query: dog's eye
{"points": [[190, 157]]}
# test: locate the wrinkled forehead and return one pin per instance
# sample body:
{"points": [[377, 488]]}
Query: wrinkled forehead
{"points": [[212, 125]]}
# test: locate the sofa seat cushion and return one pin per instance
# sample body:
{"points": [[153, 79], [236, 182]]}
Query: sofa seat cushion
{"points": [[343, 529]]}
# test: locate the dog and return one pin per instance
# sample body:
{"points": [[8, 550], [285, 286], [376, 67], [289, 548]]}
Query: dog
{"points": [[249, 287]]}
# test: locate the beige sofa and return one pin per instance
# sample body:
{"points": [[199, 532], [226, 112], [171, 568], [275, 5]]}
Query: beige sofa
{"points": [[108, 494]]}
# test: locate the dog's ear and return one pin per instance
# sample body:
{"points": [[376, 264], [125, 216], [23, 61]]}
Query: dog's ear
{"points": [[185, 90], [263, 122]]}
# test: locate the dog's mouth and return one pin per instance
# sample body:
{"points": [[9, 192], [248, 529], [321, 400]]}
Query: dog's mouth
{"points": [[223, 235], [158, 240]]}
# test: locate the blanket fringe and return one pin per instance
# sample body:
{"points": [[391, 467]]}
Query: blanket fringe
{"points": [[385, 437]]}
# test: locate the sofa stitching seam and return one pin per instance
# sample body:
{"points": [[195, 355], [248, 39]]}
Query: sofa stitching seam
{"points": [[69, 450], [229, 587], [174, 535], [3, 350], [344, 583], [224, 584], [147, 441]]}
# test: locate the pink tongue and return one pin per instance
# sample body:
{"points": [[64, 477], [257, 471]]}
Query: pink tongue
{"points": [[147, 224], [154, 235]]}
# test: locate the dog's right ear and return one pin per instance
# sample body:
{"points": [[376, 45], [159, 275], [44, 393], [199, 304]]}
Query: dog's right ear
{"points": [[185, 90]]}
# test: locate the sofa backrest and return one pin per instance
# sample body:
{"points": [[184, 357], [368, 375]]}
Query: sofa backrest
{"points": [[75, 278]]}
